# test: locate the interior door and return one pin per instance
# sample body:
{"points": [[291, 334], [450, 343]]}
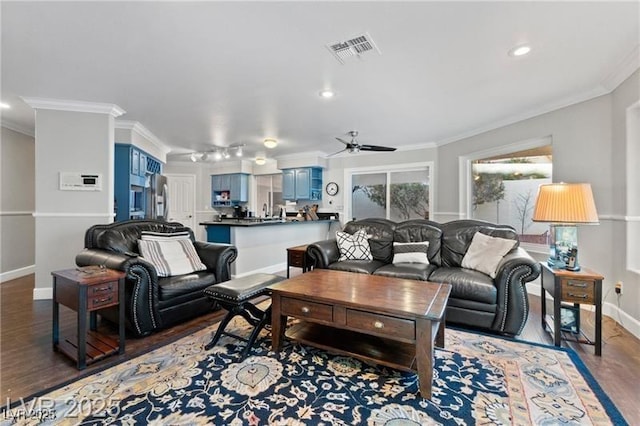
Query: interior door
{"points": [[182, 200]]}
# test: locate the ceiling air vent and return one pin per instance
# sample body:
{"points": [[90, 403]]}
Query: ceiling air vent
{"points": [[353, 47]]}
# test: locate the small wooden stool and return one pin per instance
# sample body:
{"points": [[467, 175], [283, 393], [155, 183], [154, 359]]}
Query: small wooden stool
{"points": [[235, 296]]}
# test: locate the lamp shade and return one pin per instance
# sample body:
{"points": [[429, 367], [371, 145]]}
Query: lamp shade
{"points": [[567, 203]]}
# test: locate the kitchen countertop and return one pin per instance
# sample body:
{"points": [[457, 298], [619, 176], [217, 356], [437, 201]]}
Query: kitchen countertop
{"points": [[263, 222]]}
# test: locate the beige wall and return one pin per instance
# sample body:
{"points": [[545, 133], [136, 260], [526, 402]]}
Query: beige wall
{"points": [[17, 203]]}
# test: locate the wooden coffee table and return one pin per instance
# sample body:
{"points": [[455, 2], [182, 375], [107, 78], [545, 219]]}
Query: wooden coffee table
{"points": [[388, 321]]}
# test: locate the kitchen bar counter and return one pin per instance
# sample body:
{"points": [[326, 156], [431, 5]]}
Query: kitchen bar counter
{"points": [[264, 222], [262, 244]]}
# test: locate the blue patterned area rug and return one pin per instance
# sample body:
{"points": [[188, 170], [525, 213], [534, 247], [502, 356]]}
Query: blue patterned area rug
{"points": [[478, 379]]}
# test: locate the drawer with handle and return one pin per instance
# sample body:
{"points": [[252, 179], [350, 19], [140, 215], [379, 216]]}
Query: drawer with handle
{"points": [[381, 324], [578, 291], [306, 310], [102, 295]]}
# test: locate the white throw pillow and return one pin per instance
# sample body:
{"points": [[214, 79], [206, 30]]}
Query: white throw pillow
{"points": [[411, 252], [171, 253], [354, 247], [485, 253]]}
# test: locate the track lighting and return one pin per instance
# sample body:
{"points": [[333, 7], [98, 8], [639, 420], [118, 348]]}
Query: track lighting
{"points": [[218, 153]]}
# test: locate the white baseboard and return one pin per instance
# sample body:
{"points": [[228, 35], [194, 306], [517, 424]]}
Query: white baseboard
{"points": [[267, 270], [629, 323], [17, 273], [43, 293]]}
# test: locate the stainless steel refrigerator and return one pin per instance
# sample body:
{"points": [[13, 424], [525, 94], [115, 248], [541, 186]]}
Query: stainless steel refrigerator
{"points": [[157, 198]]}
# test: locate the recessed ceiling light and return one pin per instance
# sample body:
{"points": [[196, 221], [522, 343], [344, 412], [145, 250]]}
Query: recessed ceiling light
{"points": [[521, 50], [270, 143], [327, 94], [4, 106]]}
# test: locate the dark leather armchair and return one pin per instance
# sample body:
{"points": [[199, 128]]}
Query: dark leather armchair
{"points": [[153, 302], [498, 304]]}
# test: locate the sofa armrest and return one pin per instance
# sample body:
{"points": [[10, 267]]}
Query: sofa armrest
{"points": [[514, 271], [141, 286], [217, 257], [323, 253]]}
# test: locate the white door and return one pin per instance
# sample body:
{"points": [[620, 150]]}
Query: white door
{"points": [[182, 199]]}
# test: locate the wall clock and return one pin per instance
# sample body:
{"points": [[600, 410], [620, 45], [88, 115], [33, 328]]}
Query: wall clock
{"points": [[332, 188]]}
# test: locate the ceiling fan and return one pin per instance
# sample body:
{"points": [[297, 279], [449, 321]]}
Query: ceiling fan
{"points": [[353, 146]]}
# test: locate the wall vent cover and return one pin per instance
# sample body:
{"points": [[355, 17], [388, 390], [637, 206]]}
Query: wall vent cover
{"points": [[354, 47]]}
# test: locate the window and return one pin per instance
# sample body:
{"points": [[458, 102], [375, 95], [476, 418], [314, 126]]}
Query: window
{"points": [[269, 194], [503, 189], [397, 194]]}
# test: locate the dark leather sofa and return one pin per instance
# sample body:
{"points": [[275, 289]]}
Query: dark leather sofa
{"points": [[500, 305], [153, 302]]}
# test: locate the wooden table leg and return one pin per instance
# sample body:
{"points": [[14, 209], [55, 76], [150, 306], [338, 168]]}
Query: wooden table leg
{"points": [[424, 356], [278, 324]]}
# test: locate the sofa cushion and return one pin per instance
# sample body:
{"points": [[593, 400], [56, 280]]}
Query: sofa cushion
{"points": [[410, 252], [189, 285], [381, 250], [353, 247], [358, 266], [421, 230], [123, 237], [485, 253], [457, 236], [380, 229], [410, 271], [171, 255], [467, 284]]}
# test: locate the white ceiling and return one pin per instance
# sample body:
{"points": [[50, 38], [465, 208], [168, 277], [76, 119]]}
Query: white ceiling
{"points": [[203, 73]]}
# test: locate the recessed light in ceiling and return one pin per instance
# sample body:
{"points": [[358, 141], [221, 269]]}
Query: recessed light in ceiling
{"points": [[4, 106], [520, 50], [327, 94]]}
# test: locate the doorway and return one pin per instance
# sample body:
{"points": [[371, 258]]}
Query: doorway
{"points": [[182, 199]]}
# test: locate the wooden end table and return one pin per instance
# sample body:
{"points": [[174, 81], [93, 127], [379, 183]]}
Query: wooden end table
{"points": [[582, 287], [86, 290], [297, 257], [389, 321]]}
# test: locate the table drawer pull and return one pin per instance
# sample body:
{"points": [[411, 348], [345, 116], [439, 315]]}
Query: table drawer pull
{"points": [[580, 284], [305, 310], [102, 289], [378, 324], [103, 300], [578, 296]]}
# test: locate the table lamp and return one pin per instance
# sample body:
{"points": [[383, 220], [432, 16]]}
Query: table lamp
{"points": [[565, 205]]}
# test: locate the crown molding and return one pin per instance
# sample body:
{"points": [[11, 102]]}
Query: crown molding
{"points": [[75, 106], [135, 126], [623, 70], [300, 155], [16, 127]]}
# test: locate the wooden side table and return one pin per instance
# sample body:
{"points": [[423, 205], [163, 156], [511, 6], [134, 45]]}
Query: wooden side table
{"points": [[577, 287], [86, 290], [297, 257]]}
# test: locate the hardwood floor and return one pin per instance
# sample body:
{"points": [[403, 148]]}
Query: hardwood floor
{"points": [[28, 364]]}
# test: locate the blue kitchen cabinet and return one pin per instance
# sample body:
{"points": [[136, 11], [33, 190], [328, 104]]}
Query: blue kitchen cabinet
{"points": [[303, 183]]}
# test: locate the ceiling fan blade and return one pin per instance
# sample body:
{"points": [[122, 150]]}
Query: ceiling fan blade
{"points": [[376, 148], [337, 152], [344, 142]]}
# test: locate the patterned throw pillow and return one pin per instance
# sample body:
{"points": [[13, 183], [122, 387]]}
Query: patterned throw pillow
{"points": [[354, 247], [170, 253], [485, 253], [411, 252]]}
